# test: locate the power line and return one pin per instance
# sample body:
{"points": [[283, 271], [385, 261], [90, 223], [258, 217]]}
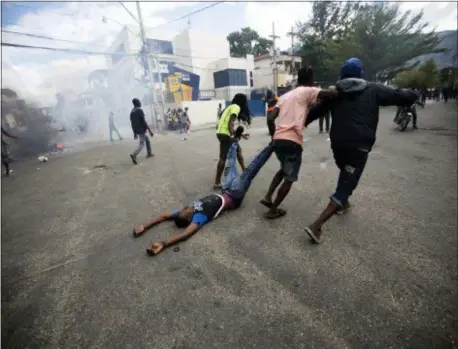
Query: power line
{"points": [[48, 38], [125, 8], [96, 45], [189, 14], [8, 44]]}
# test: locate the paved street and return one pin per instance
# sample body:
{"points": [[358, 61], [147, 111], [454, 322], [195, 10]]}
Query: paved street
{"points": [[384, 277]]}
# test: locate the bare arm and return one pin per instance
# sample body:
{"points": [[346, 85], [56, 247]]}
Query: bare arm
{"points": [[271, 120], [157, 247], [325, 95], [152, 222], [315, 112], [231, 124], [190, 230]]}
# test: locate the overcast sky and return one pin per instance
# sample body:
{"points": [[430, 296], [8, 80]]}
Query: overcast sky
{"points": [[40, 70]]}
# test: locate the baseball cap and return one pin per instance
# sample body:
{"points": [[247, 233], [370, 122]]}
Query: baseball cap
{"points": [[352, 68]]}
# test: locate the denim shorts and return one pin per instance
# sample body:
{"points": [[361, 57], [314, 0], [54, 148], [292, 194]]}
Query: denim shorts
{"points": [[289, 154]]}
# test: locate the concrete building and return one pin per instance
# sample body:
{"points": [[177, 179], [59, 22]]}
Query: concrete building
{"points": [[193, 66], [263, 70]]}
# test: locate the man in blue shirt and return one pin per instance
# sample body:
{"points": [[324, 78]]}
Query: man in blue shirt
{"points": [[195, 215]]}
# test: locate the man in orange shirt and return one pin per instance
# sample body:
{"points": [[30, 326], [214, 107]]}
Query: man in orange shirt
{"points": [[287, 135]]}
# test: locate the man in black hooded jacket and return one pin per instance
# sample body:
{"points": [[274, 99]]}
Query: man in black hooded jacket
{"points": [[355, 115]]}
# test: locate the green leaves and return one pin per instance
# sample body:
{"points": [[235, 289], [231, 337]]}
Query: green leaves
{"points": [[425, 76], [247, 41], [385, 39]]}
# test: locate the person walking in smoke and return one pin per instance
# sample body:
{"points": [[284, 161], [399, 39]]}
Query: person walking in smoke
{"points": [[139, 128], [6, 159], [355, 115], [112, 126]]}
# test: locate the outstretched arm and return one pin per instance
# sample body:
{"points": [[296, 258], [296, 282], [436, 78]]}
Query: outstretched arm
{"points": [[389, 96], [315, 112], [139, 230], [157, 247]]}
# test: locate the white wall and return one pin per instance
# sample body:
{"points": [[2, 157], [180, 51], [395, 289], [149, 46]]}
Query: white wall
{"points": [[205, 49], [202, 112]]}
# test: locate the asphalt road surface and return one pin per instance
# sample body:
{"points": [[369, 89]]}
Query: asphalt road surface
{"points": [[385, 275]]}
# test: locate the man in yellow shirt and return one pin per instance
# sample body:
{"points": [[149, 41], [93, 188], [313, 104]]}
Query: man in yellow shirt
{"points": [[225, 134]]}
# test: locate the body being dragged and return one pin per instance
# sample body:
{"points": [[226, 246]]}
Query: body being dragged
{"points": [[195, 215]]}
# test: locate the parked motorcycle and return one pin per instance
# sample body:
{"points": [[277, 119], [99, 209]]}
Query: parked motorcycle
{"points": [[402, 119]]}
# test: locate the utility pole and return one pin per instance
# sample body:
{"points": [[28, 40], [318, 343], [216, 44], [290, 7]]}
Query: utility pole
{"points": [[150, 71], [274, 59], [293, 63]]}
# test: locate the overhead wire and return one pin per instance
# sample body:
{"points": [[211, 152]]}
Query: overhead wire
{"points": [[76, 51], [95, 45], [130, 13], [188, 15]]}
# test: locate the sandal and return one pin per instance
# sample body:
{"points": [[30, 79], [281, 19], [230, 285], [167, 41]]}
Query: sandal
{"points": [[266, 203], [277, 214], [312, 235]]}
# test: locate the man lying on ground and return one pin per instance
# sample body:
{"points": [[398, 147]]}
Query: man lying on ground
{"points": [[355, 115], [194, 216]]}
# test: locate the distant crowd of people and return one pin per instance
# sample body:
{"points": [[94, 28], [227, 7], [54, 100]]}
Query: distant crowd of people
{"points": [[437, 94], [178, 119]]}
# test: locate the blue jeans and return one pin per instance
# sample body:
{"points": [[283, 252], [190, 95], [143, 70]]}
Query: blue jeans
{"points": [[142, 140], [237, 185], [351, 163]]}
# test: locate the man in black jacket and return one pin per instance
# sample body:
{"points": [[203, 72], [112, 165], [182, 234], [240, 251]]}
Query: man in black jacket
{"points": [[355, 116], [139, 127]]}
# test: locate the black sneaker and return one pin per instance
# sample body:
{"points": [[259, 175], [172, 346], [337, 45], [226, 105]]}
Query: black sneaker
{"points": [[149, 155], [134, 159]]}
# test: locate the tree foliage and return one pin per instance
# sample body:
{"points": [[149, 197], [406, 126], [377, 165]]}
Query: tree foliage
{"points": [[384, 38], [425, 76], [329, 21], [247, 41]]}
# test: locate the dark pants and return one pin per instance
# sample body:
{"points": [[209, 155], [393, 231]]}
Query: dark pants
{"points": [[225, 143], [326, 118], [289, 154], [351, 163], [5, 157]]}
